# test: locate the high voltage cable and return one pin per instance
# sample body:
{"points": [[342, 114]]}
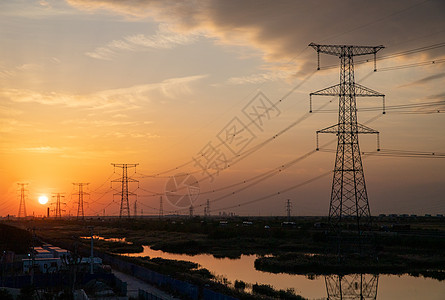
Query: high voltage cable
{"points": [[395, 107], [259, 146], [270, 174], [107, 180], [252, 122], [406, 153], [275, 193], [399, 54]]}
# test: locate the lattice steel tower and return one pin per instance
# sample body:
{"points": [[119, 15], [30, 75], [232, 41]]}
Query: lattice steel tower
{"points": [[125, 193], [58, 210], [349, 199], [80, 194], [22, 207]]}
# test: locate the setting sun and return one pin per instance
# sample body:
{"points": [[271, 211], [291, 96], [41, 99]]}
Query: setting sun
{"points": [[43, 199]]}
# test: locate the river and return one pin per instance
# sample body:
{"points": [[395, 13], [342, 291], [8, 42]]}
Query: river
{"points": [[384, 287]]}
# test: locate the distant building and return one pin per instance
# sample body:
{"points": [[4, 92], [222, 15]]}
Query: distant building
{"points": [[45, 265]]}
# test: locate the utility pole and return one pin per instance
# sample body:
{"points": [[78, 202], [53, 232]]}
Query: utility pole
{"points": [[288, 209], [58, 210], [349, 199], [23, 196], [124, 180], [80, 194]]}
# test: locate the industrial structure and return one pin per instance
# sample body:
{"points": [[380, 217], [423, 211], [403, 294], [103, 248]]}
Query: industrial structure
{"points": [[125, 193], [349, 199], [22, 206], [80, 202]]}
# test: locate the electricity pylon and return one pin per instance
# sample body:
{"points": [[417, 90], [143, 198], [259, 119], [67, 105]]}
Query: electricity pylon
{"points": [[125, 205], [352, 287], [58, 210], [207, 207], [349, 199], [22, 206], [288, 209], [80, 194]]}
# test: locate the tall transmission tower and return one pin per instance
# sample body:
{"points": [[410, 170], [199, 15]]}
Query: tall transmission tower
{"points": [[23, 196], [80, 194], [288, 209], [354, 286], [58, 210], [125, 193], [349, 199], [161, 208]]}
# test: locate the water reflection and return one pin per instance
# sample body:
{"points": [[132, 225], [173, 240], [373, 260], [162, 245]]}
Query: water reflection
{"points": [[354, 287], [358, 286]]}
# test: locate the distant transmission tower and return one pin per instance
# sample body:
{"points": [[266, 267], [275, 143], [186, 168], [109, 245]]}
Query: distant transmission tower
{"points": [[80, 194], [161, 208], [349, 199], [208, 208], [135, 208], [125, 205], [58, 210], [288, 209], [23, 196], [191, 211]]}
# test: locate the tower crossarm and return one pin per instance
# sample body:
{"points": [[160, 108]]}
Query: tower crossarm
{"points": [[345, 50], [360, 91], [363, 91], [329, 91], [359, 129], [337, 128]]}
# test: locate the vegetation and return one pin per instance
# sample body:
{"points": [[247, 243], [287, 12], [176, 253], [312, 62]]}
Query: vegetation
{"points": [[14, 239], [410, 245]]}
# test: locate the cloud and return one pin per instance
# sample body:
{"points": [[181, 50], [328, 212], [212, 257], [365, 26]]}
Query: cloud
{"points": [[164, 38], [110, 99], [280, 30], [260, 77], [425, 80]]}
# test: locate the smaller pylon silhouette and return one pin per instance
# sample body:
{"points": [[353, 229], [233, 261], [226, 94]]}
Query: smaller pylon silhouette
{"points": [[58, 210], [288, 209], [23, 196], [191, 211], [135, 208], [208, 208], [125, 193], [80, 194]]}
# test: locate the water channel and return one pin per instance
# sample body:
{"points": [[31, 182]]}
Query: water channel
{"points": [[385, 287]]}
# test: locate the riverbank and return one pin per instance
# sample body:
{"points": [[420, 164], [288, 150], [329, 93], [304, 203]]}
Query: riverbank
{"points": [[416, 248]]}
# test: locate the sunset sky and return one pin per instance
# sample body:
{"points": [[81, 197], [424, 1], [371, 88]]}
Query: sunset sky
{"points": [[87, 83]]}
